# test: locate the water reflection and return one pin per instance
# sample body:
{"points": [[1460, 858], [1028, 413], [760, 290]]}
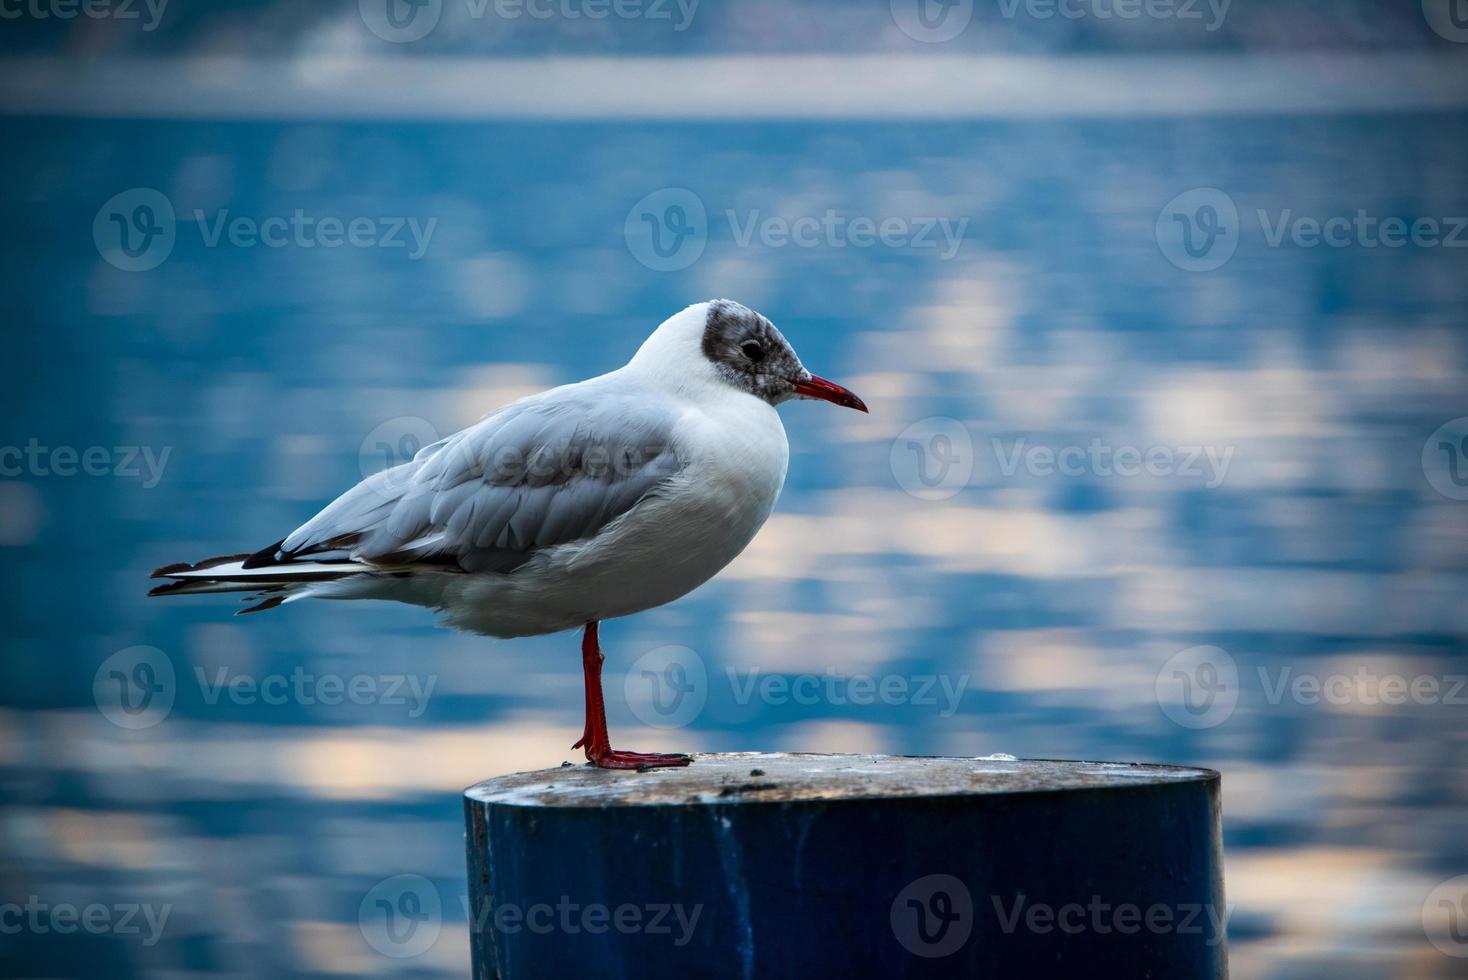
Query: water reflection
{"points": [[1081, 460]]}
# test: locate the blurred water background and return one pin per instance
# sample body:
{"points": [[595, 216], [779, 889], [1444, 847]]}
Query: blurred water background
{"points": [[1302, 515]]}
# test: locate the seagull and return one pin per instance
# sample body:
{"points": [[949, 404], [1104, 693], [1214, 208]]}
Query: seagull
{"points": [[576, 505]]}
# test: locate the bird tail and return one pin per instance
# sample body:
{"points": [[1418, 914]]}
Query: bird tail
{"points": [[269, 585]]}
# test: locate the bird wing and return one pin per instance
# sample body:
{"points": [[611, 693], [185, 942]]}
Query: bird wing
{"points": [[546, 470]]}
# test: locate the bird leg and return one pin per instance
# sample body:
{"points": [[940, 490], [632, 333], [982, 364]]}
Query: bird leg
{"points": [[594, 737]]}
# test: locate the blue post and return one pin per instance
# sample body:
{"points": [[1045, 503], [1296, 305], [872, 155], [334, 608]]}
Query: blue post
{"points": [[754, 865]]}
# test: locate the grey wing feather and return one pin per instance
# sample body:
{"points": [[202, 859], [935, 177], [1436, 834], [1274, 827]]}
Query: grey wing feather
{"points": [[547, 470]]}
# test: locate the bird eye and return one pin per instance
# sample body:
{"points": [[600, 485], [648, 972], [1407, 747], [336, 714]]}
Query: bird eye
{"points": [[753, 350]]}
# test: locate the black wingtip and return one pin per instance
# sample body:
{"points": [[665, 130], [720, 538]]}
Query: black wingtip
{"points": [[269, 603], [266, 556], [178, 585], [178, 567]]}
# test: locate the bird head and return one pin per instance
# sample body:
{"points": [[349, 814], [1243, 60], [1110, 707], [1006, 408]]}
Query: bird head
{"points": [[724, 343]]}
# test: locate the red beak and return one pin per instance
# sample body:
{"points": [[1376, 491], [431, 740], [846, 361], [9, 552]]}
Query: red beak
{"points": [[829, 391]]}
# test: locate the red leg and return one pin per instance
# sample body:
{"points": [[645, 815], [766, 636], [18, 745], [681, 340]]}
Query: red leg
{"points": [[594, 737]]}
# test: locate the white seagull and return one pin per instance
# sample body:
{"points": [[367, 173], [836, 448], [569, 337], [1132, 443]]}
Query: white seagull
{"points": [[583, 503]]}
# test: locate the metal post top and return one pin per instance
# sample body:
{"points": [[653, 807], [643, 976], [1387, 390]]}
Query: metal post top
{"points": [[757, 777]]}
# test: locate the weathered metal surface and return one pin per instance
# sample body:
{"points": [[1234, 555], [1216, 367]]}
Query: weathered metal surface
{"points": [[749, 865]]}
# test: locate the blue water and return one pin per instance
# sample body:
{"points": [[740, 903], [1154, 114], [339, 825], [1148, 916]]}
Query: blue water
{"points": [[275, 377]]}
